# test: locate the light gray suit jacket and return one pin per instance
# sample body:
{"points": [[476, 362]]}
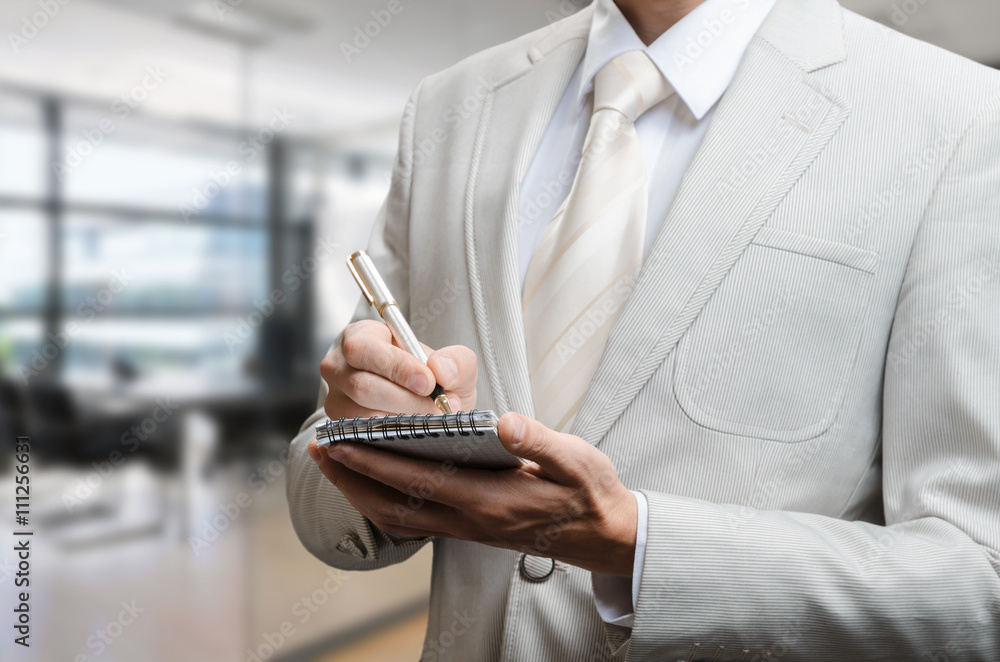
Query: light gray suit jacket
{"points": [[805, 383]]}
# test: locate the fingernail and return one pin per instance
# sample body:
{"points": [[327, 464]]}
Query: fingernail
{"points": [[517, 430], [337, 454], [418, 384], [449, 370]]}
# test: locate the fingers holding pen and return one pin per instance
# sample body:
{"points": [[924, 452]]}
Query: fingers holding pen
{"points": [[367, 375], [368, 346]]}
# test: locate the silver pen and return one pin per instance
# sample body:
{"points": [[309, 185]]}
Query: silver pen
{"points": [[378, 295]]}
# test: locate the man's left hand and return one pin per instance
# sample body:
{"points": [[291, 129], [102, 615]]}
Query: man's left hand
{"points": [[567, 503]]}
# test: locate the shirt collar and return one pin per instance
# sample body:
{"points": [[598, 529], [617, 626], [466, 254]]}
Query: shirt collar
{"points": [[698, 56]]}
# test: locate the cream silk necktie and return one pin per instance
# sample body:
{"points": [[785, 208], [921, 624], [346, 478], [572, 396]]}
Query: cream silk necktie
{"points": [[589, 255]]}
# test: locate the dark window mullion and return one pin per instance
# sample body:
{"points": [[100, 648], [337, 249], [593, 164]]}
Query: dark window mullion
{"points": [[52, 113]]}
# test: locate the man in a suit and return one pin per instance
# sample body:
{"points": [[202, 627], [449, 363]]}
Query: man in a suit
{"points": [[736, 266]]}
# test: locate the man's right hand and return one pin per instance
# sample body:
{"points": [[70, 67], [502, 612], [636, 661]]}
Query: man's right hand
{"points": [[370, 375]]}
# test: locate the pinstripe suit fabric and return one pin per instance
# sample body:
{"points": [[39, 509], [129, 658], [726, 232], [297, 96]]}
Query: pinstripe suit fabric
{"points": [[805, 382]]}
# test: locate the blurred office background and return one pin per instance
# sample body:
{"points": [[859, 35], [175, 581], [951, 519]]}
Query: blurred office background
{"points": [[179, 185]]}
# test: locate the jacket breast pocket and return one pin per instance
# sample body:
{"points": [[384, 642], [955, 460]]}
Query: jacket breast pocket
{"points": [[770, 354]]}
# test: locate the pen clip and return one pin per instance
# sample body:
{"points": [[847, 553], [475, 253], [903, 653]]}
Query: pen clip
{"points": [[361, 283]]}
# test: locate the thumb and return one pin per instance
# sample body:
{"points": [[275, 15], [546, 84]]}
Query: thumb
{"points": [[561, 456], [456, 371]]}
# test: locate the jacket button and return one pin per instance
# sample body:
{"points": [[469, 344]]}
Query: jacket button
{"points": [[536, 568], [351, 544]]}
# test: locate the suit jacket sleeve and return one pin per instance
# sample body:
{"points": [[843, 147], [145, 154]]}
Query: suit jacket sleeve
{"points": [[924, 586], [326, 523]]}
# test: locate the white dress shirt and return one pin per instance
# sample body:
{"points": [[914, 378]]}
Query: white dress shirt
{"points": [[699, 56]]}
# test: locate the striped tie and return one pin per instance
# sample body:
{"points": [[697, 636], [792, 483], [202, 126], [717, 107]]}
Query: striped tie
{"points": [[587, 259]]}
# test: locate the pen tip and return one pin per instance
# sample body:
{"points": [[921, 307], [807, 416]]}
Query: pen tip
{"points": [[443, 404]]}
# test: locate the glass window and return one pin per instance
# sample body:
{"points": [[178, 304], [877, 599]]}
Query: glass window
{"points": [[24, 260], [23, 147], [354, 189], [203, 350], [304, 180], [144, 267], [18, 337], [109, 159], [145, 294]]}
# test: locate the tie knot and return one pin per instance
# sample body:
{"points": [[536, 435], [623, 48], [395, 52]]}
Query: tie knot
{"points": [[630, 84]]}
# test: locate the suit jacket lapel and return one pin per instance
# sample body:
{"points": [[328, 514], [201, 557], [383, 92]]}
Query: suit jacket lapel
{"points": [[515, 115], [770, 125]]}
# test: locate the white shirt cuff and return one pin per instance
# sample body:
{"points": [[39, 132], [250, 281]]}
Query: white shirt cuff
{"points": [[617, 597]]}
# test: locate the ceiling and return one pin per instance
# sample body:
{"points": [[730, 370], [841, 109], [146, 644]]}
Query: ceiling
{"points": [[234, 62], [236, 67]]}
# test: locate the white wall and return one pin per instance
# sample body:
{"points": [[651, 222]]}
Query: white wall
{"points": [[968, 27]]}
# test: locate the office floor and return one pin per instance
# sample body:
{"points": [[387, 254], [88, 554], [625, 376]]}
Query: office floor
{"points": [[253, 581], [400, 643]]}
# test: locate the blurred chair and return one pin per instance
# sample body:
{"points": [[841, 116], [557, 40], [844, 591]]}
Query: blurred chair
{"points": [[62, 435], [11, 409], [12, 423]]}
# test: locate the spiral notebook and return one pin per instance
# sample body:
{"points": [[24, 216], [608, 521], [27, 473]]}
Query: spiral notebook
{"points": [[468, 439]]}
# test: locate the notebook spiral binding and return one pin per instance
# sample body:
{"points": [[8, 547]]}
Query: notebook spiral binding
{"points": [[402, 426]]}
